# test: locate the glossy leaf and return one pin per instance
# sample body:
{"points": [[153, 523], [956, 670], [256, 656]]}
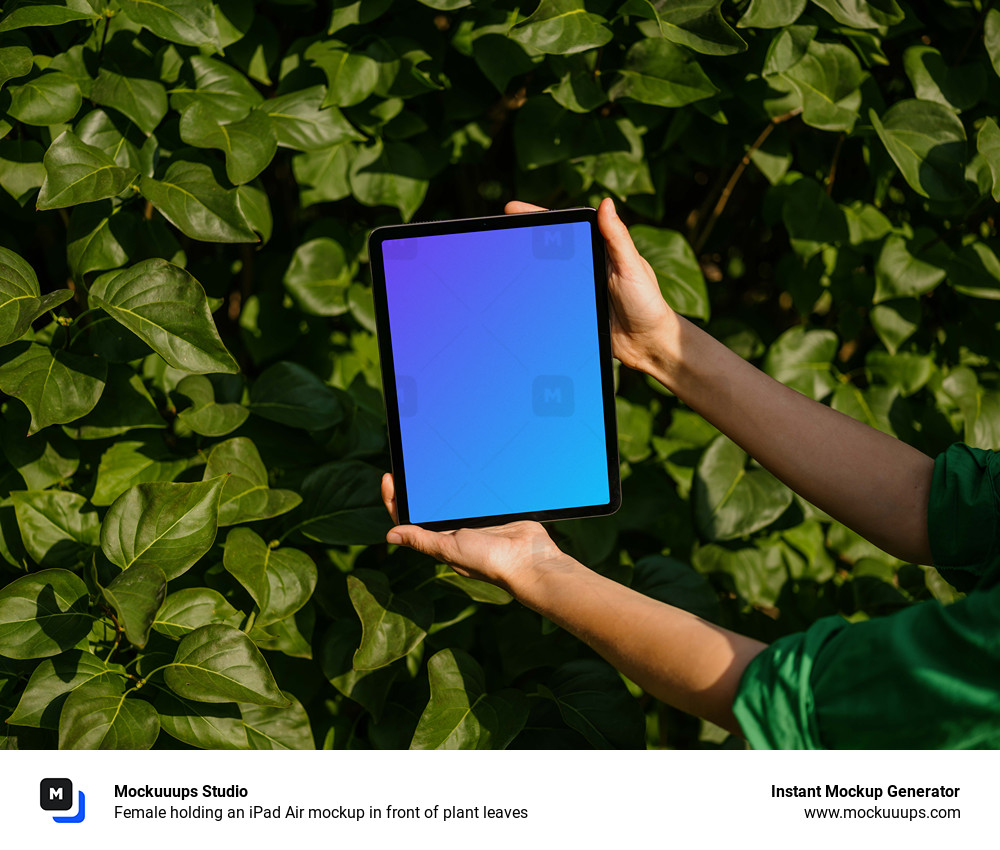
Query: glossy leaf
{"points": [[392, 624], [42, 14], [661, 74], [770, 14], [828, 79], [249, 145], [55, 385], [561, 27], [51, 98], [205, 416], [292, 395], [143, 102], [167, 525], [862, 13], [368, 688], [959, 88], [928, 144], [341, 505], [185, 610], [15, 61], [219, 87], [21, 301], [43, 614], [460, 715], [802, 359], [77, 173], [100, 716], [57, 528], [191, 199], [246, 496], [55, 679], [284, 728], [300, 121], [129, 462], [280, 580], [218, 663], [676, 268], [390, 174], [350, 77], [731, 500], [136, 595], [988, 143], [697, 24], [323, 175], [165, 307], [903, 269], [180, 21], [319, 276], [200, 724]]}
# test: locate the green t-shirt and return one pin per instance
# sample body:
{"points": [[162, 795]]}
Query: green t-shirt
{"points": [[926, 677]]}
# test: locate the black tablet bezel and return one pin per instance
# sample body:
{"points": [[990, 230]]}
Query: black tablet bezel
{"points": [[471, 225]]}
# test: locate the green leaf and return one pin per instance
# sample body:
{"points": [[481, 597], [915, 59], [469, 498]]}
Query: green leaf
{"points": [[661, 74], [191, 608], [812, 218], [730, 500], [593, 700], [341, 504], [279, 580], [392, 624], [988, 144], [975, 271], [460, 715], [906, 269], [43, 460], [217, 663], [219, 87], [927, 143], [561, 27], [99, 716], [77, 173], [368, 688], [635, 428], [980, 408], [896, 321], [349, 12], [675, 583], [204, 416], [828, 79], [770, 14], [870, 406], [285, 728], [39, 13], [292, 395], [991, 37], [189, 198], [169, 525], [21, 301], [43, 614], [166, 308], [754, 575], [958, 87], [802, 359], [54, 385], [319, 276], [578, 89], [323, 175], [57, 527], [53, 680], [676, 268], [15, 61], [906, 372], [477, 591], [350, 77], [392, 174], [697, 24], [180, 21], [50, 98], [143, 102], [209, 727], [92, 242], [249, 145], [863, 14], [301, 123], [246, 496], [124, 406], [136, 595], [21, 169]]}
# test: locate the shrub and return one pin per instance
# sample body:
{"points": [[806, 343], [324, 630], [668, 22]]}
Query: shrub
{"points": [[191, 539]]}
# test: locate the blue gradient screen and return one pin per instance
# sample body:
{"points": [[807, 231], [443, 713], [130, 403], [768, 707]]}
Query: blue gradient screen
{"points": [[498, 376]]}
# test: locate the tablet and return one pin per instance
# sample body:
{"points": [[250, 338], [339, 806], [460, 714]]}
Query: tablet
{"points": [[495, 348]]}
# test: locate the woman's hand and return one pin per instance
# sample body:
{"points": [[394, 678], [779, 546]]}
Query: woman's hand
{"points": [[510, 556], [639, 316]]}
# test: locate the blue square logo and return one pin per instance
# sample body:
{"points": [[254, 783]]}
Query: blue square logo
{"points": [[552, 395], [554, 242]]}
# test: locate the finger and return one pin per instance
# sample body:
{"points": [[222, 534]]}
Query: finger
{"points": [[434, 543], [514, 207], [622, 253], [389, 496]]}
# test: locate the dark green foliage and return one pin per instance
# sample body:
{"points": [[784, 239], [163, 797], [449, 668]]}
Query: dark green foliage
{"points": [[191, 421]]}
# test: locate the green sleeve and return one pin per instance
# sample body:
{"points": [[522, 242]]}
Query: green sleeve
{"points": [[925, 677], [963, 513]]}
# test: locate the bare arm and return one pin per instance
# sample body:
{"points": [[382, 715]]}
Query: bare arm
{"points": [[873, 483]]}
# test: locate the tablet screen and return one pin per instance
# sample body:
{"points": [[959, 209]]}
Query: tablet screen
{"points": [[494, 338]]}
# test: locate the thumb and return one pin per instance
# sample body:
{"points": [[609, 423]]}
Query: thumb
{"points": [[622, 253]]}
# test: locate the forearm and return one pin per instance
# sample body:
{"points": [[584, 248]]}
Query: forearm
{"points": [[871, 482], [677, 657]]}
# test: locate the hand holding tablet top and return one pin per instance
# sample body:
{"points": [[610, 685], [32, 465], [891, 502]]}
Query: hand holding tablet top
{"points": [[496, 365]]}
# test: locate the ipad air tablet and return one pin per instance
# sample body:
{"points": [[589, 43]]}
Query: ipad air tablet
{"points": [[496, 368]]}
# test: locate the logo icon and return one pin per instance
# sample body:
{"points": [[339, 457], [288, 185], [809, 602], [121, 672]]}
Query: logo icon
{"points": [[56, 795], [552, 243], [552, 395]]}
